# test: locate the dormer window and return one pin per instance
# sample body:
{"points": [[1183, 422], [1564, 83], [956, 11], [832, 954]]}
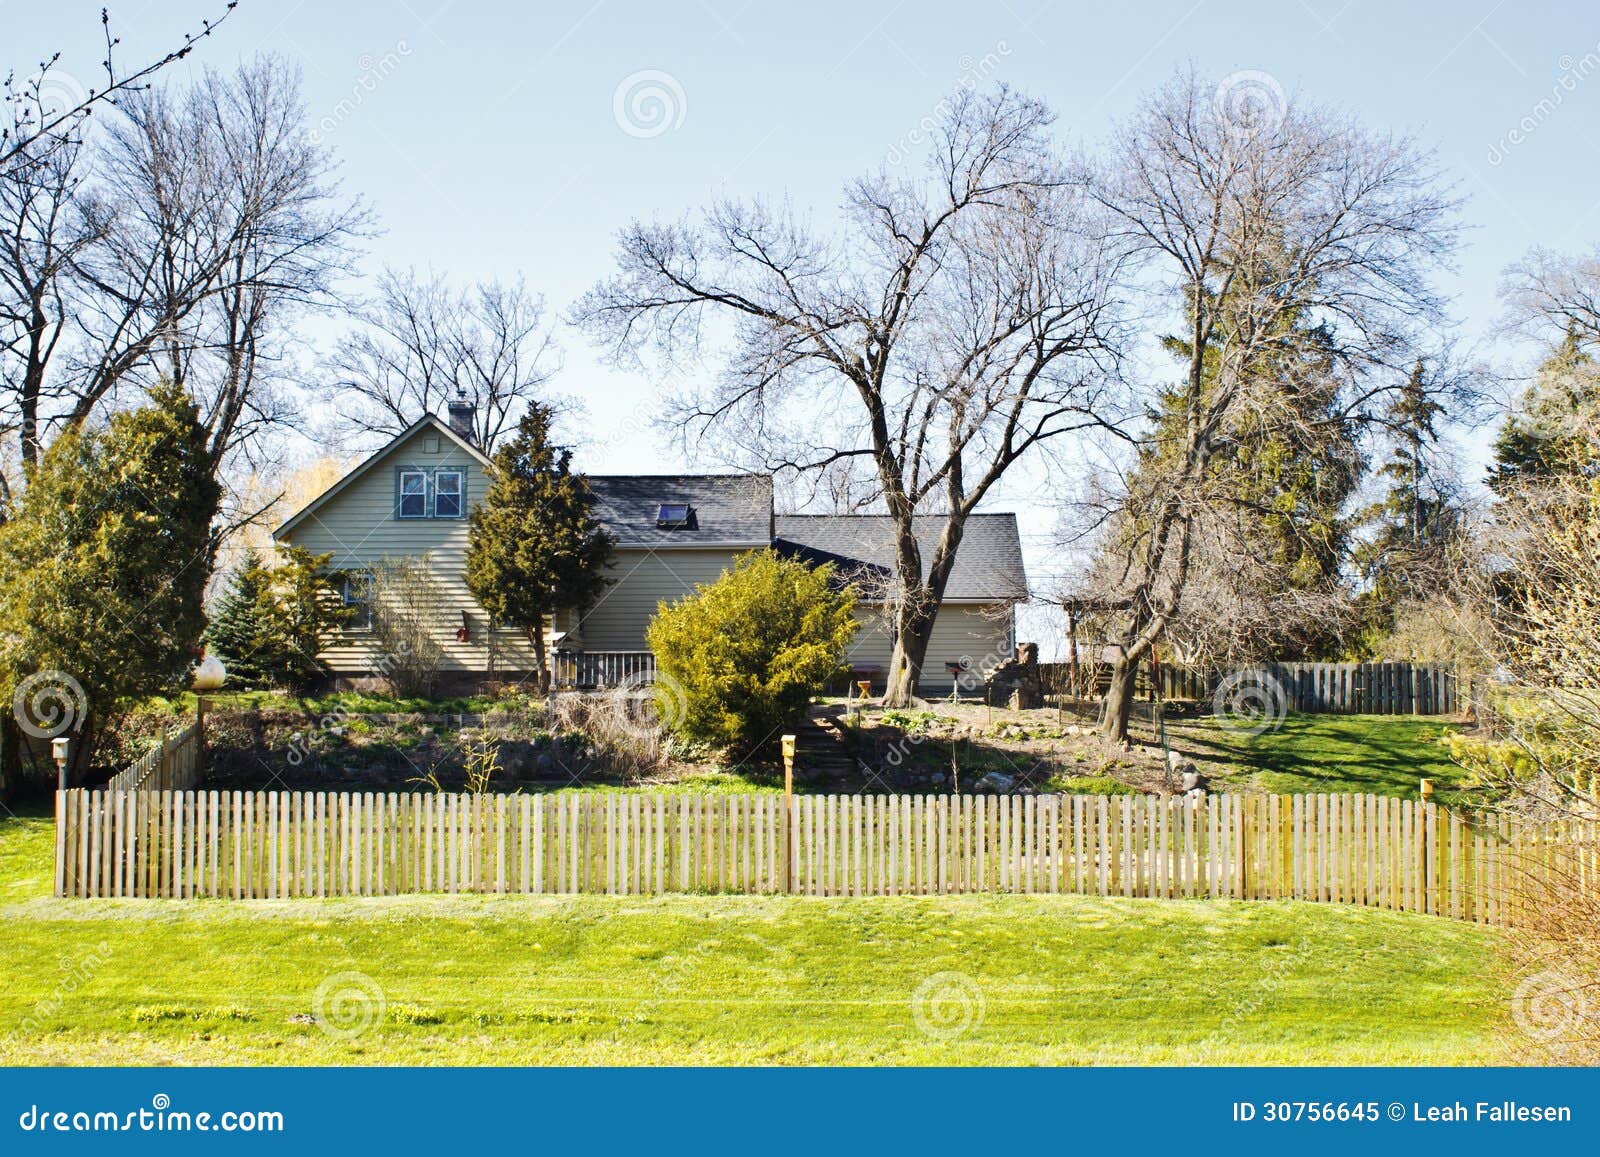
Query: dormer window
{"points": [[675, 516]]}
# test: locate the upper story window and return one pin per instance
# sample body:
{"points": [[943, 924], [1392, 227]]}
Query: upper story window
{"points": [[431, 494], [447, 494], [674, 516]]}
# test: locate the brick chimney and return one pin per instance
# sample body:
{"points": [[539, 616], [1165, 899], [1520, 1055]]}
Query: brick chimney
{"points": [[463, 415]]}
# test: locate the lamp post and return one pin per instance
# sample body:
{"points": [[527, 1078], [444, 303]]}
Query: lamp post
{"points": [[209, 675]]}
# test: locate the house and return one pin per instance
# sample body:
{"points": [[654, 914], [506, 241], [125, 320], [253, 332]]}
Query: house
{"points": [[672, 533]]}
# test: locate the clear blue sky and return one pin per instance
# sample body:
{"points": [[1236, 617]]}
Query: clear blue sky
{"points": [[486, 134]]}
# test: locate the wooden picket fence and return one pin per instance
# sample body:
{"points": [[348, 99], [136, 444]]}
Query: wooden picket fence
{"points": [[1358, 849], [175, 765]]}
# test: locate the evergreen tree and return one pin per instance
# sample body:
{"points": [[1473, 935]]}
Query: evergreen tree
{"points": [[534, 548], [103, 567], [1550, 432], [1275, 488], [238, 631], [1412, 528]]}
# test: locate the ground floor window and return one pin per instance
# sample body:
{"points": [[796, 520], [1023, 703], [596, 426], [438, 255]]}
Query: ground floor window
{"points": [[357, 593]]}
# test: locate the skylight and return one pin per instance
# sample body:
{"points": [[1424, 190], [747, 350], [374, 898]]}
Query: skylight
{"points": [[674, 516]]}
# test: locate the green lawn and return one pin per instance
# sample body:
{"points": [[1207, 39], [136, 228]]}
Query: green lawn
{"points": [[708, 980], [1382, 754]]}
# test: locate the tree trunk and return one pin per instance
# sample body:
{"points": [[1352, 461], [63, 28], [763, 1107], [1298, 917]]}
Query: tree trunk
{"points": [[1119, 698], [913, 629], [10, 756], [541, 668]]}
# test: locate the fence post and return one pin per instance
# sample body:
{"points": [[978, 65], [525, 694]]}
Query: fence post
{"points": [[788, 813]]}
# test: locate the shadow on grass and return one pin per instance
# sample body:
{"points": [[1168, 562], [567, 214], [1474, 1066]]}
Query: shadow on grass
{"points": [[1380, 754]]}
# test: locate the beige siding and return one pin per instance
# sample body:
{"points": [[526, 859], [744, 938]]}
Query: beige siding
{"points": [[357, 526], [980, 634], [640, 581]]}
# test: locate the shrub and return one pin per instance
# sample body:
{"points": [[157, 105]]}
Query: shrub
{"points": [[405, 617], [743, 655]]}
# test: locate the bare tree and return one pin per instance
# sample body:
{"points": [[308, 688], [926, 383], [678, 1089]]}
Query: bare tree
{"points": [[1270, 231], [418, 344], [42, 231], [955, 324], [1552, 295], [42, 227], [37, 121], [217, 221]]}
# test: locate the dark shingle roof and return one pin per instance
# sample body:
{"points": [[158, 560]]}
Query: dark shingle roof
{"points": [[728, 508], [988, 561]]}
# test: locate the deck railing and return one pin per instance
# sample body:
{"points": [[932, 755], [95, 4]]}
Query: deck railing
{"points": [[588, 670]]}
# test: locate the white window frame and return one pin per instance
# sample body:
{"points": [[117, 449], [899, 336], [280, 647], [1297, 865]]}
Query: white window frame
{"points": [[460, 492], [425, 494]]}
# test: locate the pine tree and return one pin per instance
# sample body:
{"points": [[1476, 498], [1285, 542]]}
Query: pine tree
{"points": [[1412, 528], [534, 547], [1550, 431], [105, 562], [238, 633]]}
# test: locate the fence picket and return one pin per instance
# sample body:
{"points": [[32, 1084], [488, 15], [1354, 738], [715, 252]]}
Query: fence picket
{"points": [[1353, 849]]}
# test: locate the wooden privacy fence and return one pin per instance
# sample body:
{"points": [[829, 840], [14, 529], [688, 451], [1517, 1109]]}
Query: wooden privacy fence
{"points": [[173, 766], [1343, 688], [1357, 849]]}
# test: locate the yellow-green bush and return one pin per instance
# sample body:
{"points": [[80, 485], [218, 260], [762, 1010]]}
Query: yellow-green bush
{"points": [[742, 656]]}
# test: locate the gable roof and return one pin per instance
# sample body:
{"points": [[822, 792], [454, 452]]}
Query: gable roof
{"points": [[728, 509], [438, 424], [988, 565]]}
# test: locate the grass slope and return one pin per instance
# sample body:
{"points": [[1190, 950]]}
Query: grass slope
{"points": [[1382, 754], [709, 980]]}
